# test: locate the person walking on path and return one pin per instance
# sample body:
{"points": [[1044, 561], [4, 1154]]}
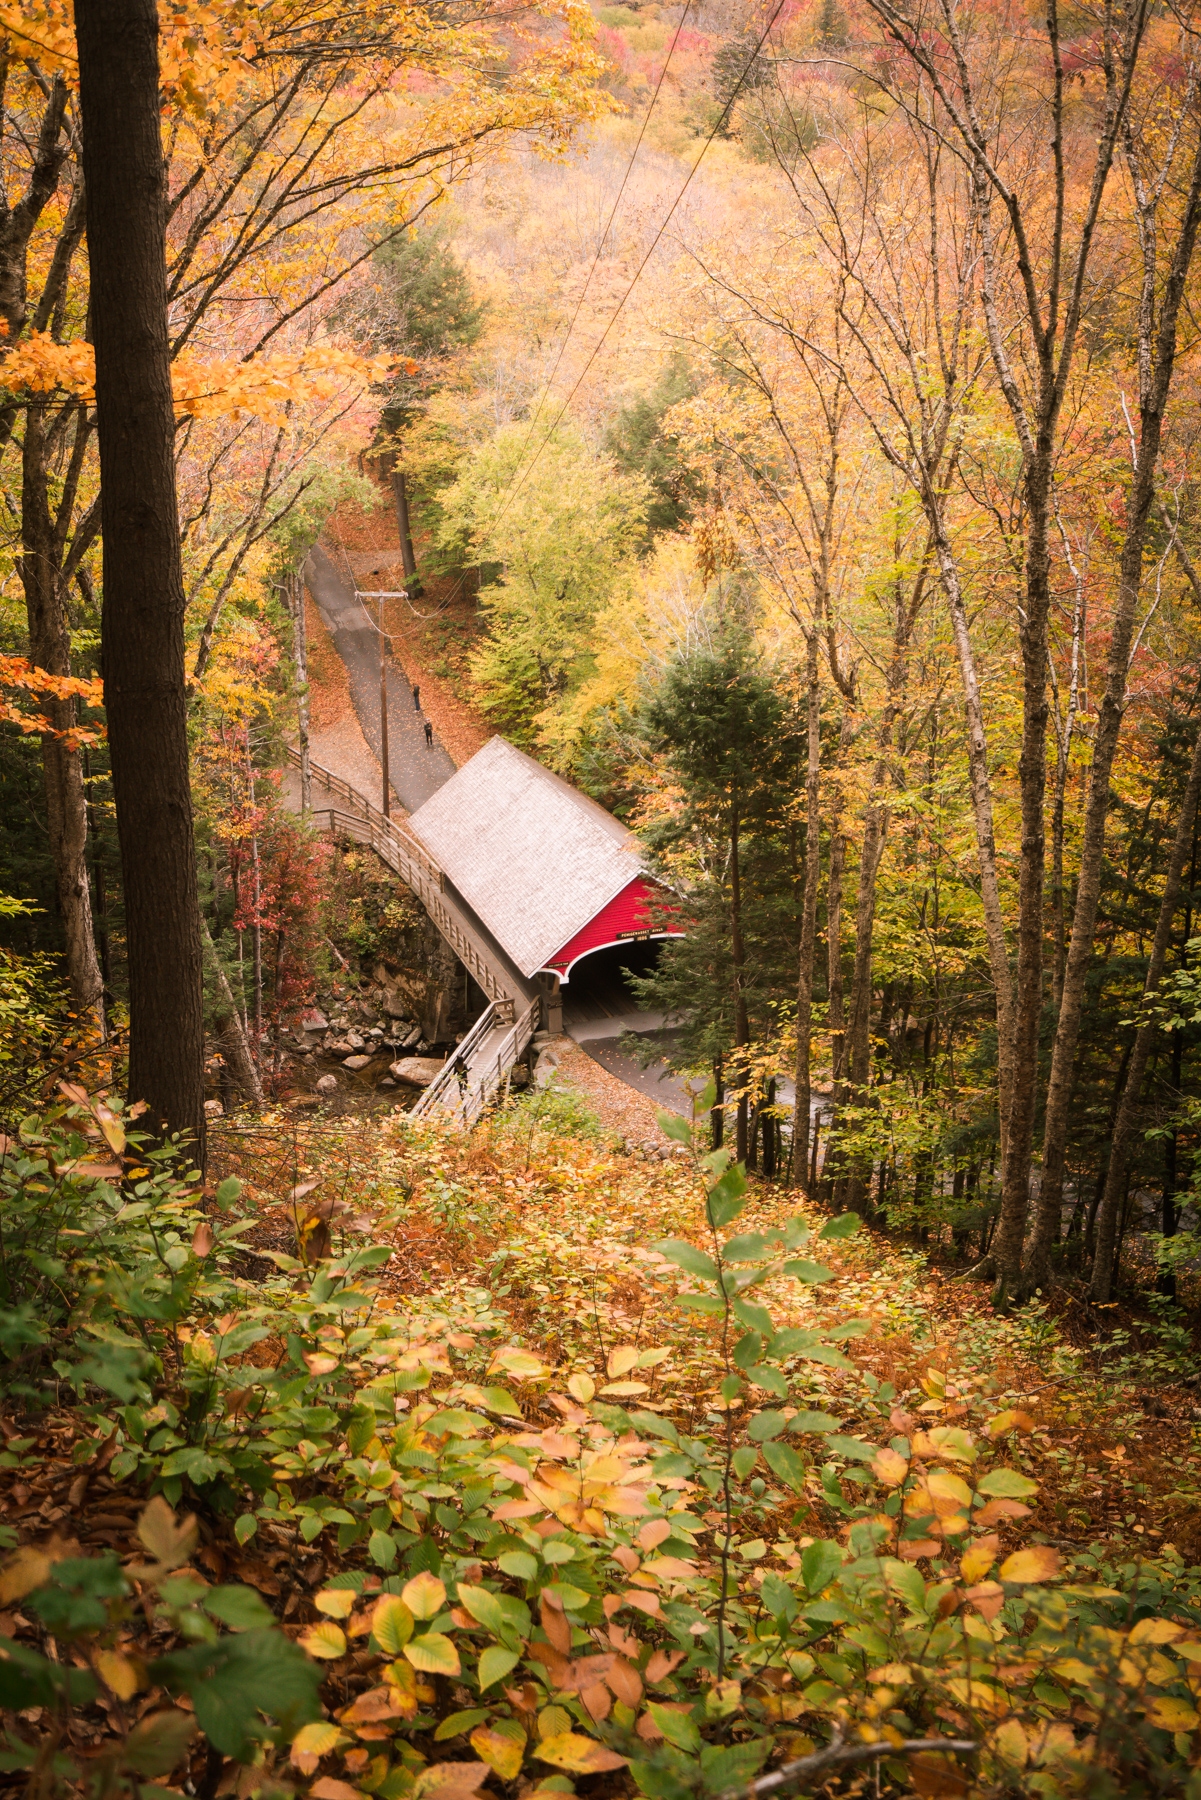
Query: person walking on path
{"points": [[416, 698], [429, 735]]}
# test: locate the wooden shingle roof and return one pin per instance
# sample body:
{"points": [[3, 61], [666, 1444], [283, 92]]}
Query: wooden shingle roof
{"points": [[533, 857]]}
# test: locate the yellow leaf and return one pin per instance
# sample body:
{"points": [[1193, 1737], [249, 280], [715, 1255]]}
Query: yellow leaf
{"points": [[335, 1603], [997, 1427], [1156, 1631], [521, 1364], [324, 1640], [1009, 1742], [330, 1789], [670, 1568], [168, 1542], [621, 1360], [434, 1654], [391, 1624], [623, 1389], [895, 1674], [314, 1741], [1038, 1563], [424, 1595], [581, 1388], [890, 1467], [975, 1562], [578, 1755], [450, 1781], [123, 1677], [22, 1573], [950, 1493], [503, 1753], [1171, 1714]]}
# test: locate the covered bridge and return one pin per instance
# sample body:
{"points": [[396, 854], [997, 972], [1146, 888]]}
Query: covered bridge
{"points": [[551, 875]]}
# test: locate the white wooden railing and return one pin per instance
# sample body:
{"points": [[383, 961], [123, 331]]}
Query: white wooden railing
{"points": [[404, 852]]}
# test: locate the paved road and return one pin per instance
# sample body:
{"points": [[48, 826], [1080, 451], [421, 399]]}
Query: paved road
{"points": [[415, 771]]}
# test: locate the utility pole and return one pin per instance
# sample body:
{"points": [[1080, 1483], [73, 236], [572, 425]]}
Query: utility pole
{"points": [[383, 707], [360, 595]]}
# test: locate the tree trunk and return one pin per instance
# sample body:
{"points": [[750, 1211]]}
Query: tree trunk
{"points": [[804, 1009], [1153, 404], [50, 649], [408, 559], [986, 847], [836, 1011], [302, 693], [1007, 1240], [742, 1029], [229, 1026], [142, 620], [1123, 1127]]}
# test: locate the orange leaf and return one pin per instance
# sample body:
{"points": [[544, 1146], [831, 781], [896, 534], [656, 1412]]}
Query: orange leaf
{"points": [[1038, 1563]]}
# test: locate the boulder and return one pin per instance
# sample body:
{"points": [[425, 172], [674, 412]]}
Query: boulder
{"points": [[314, 1020], [213, 1109], [356, 1062], [327, 1084], [416, 1071], [340, 1047], [355, 1040]]}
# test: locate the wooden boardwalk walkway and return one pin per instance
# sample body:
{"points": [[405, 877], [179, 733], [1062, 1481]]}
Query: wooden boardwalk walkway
{"points": [[480, 1066]]}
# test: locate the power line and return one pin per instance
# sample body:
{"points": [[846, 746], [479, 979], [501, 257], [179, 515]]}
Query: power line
{"points": [[550, 380], [516, 484]]}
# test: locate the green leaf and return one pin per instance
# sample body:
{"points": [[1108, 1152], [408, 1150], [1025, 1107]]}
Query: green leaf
{"points": [[518, 1563], [673, 1126], [727, 1197], [820, 1563], [732, 1767], [433, 1654], [844, 1226], [783, 1461], [755, 1318], [671, 1466], [381, 1548], [679, 1729], [769, 1379], [812, 1421], [245, 1526], [391, 1624], [461, 1722], [652, 1424], [228, 1191], [233, 1681], [239, 1607], [1006, 1484], [747, 1350], [687, 1257], [702, 1303], [495, 1663], [504, 1616], [809, 1272], [747, 1247], [766, 1425], [853, 1448], [499, 1400], [744, 1460], [906, 1581], [157, 1744]]}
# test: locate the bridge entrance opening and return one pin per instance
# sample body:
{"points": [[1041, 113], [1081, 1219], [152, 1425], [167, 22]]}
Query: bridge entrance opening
{"points": [[599, 991]]}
